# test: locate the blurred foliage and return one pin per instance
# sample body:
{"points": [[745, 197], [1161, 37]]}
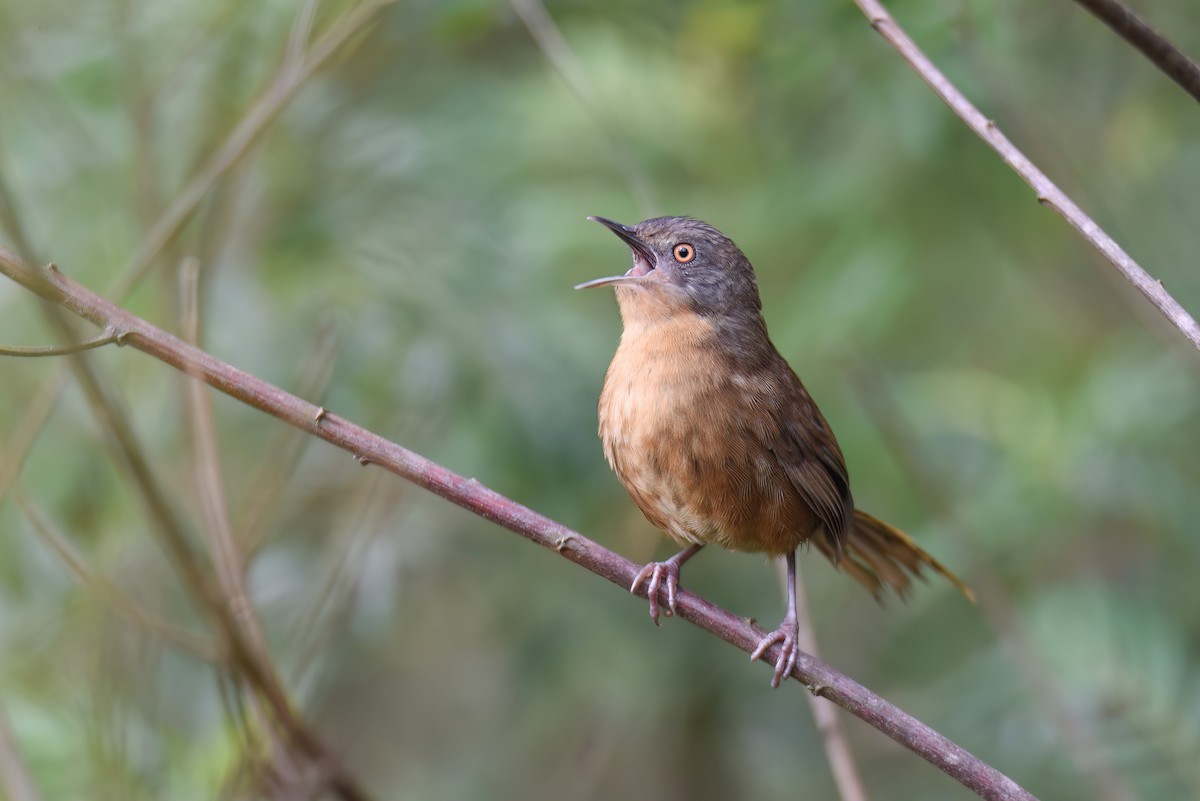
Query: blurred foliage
{"points": [[998, 390]]}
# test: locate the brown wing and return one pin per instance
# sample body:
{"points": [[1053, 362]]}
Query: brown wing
{"points": [[811, 459]]}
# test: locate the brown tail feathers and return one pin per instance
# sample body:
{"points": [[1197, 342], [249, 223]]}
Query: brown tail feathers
{"points": [[879, 556]]}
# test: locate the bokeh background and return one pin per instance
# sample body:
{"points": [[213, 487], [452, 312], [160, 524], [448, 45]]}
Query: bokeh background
{"points": [[399, 243]]}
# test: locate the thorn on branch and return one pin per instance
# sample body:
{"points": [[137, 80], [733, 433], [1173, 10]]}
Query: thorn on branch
{"points": [[320, 415], [564, 542], [363, 460]]}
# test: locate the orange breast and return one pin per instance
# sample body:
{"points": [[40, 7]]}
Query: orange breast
{"points": [[684, 430]]}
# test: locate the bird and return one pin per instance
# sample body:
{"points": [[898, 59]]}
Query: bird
{"points": [[714, 436]]}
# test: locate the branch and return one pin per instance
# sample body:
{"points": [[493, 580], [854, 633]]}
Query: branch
{"points": [[57, 350], [1154, 46], [1047, 193], [37, 412], [370, 448]]}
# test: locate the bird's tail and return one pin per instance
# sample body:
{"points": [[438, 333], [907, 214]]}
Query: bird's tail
{"points": [[879, 556]]}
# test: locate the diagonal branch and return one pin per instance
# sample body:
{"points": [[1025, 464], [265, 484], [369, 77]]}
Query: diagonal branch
{"points": [[1048, 194], [1154, 46], [369, 448]]}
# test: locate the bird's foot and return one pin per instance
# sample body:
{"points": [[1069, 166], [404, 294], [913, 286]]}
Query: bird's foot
{"points": [[789, 651], [663, 575]]}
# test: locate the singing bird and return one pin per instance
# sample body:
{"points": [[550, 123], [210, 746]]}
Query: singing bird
{"points": [[713, 435]]}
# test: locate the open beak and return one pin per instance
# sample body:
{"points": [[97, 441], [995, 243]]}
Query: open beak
{"points": [[643, 257]]}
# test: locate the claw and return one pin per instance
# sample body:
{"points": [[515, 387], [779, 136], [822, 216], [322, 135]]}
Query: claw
{"points": [[657, 572], [663, 572], [786, 637]]}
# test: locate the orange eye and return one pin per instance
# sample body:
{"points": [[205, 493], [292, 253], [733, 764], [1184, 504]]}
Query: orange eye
{"points": [[684, 253]]}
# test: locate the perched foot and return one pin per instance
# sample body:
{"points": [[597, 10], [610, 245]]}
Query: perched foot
{"points": [[667, 571], [661, 574], [789, 651]]}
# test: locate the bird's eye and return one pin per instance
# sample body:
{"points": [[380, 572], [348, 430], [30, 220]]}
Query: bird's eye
{"points": [[684, 253]]}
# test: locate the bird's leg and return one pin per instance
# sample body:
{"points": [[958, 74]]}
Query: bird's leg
{"points": [[660, 572], [787, 633]]}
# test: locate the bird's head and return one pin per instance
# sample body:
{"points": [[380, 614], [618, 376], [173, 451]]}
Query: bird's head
{"points": [[681, 264]]}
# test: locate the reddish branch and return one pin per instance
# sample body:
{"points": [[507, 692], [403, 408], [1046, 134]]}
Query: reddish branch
{"points": [[1154, 46], [468, 493], [1048, 194]]}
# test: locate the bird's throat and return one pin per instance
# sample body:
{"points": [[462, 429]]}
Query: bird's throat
{"points": [[650, 303]]}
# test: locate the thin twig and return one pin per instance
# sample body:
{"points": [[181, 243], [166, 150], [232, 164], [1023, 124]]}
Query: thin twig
{"points": [[10, 219], [38, 411], [228, 560], [301, 30], [837, 748], [350, 546], [245, 655], [222, 545], [127, 451], [108, 590], [371, 448], [146, 172], [1048, 194], [265, 489], [288, 80], [1154, 46], [36, 351], [121, 437], [15, 779]]}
